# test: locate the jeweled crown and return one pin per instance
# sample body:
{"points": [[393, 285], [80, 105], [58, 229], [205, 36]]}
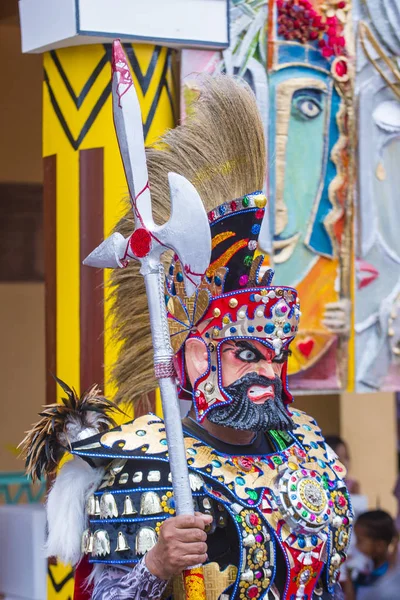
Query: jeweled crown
{"points": [[236, 298]]}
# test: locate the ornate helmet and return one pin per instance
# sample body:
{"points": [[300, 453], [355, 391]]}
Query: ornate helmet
{"points": [[235, 301]]}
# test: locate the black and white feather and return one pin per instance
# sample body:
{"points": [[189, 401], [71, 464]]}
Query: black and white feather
{"points": [[62, 424]]}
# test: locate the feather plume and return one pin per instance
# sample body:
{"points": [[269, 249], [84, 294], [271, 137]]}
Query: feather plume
{"points": [[62, 424], [65, 508], [221, 149]]}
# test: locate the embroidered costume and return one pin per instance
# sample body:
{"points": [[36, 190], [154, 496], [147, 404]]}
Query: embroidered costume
{"points": [[281, 512]]}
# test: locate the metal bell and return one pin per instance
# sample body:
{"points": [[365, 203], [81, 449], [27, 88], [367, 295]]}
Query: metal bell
{"points": [[146, 538], [150, 504], [117, 465], [101, 543], [87, 542], [96, 506], [91, 505], [122, 543], [129, 509], [89, 546], [196, 481], [108, 506]]}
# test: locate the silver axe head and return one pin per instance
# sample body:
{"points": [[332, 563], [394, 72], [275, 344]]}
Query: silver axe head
{"points": [[187, 232]]}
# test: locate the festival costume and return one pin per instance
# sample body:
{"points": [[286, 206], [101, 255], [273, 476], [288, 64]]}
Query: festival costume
{"points": [[281, 511]]}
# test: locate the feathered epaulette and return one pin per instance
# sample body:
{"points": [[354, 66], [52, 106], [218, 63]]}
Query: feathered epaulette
{"points": [[62, 424]]}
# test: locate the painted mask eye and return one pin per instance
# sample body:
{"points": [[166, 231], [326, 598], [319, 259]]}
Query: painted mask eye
{"points": [[246, 355]]}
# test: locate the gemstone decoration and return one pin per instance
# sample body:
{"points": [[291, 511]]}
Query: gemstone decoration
{"points": [[303, 500]]}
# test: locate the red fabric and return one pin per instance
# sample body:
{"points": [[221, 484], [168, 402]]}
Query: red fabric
{"points": [[82, 572]]}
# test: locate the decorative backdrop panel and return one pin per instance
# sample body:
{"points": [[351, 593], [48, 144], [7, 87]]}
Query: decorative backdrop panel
{"points": [[377, 315], [298, 57]]}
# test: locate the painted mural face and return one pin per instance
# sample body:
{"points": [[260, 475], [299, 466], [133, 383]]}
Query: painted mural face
{"points": [[308, 186], [378, 265], [294, 55], [305, 104]]}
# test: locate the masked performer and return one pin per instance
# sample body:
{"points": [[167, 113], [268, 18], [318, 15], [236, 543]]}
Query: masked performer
{"points": [[272, 510]]}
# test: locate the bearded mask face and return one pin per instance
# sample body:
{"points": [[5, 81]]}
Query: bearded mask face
{"points": [[250, 376], [231, 338]]}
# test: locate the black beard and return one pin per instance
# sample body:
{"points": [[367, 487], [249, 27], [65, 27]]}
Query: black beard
{"points": [[244, 414]]}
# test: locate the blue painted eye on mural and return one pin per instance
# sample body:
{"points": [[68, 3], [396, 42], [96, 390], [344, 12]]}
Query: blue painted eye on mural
{"points": [[307, 104]]}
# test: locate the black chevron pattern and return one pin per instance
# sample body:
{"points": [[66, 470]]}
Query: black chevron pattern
{"points": [[58, 586], [144, 80]]}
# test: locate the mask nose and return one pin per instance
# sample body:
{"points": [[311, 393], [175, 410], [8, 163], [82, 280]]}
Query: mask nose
{"points": [[266, 370]]}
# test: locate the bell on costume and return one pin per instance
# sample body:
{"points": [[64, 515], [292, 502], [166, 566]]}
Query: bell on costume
{"points": [[146, 538], [150, 504], [129, 509], [87, 542], [122, 543], [91, 505], [117, 465], [101, 543], [108, 506], [196, 481]]}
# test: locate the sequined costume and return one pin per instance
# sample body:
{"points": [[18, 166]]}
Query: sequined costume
{"points": [[256, 502], [281, 512]]}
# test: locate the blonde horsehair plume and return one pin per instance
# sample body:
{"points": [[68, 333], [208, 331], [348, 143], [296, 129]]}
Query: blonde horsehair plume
{"points": [[221, 150]]}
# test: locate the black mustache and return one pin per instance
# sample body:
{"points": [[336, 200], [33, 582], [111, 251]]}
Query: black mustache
{"points": [[251, 379]]}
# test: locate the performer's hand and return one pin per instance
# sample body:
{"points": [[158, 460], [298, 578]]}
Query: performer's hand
{"points": [[181, 544]]}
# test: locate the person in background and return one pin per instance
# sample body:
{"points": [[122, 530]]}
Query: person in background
{"points": [[377, 539], [340, 447], [396, 492]]}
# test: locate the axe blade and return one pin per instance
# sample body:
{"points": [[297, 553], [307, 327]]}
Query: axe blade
{"points": [[110, 254], [187, 231], [129, 128]]}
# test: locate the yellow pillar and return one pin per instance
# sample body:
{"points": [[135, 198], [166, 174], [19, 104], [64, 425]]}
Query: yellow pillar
{"points": [[84, 184]]}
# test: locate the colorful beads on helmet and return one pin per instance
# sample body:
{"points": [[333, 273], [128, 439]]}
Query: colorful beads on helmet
{"points": [[269, 313], [255, 200]]}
